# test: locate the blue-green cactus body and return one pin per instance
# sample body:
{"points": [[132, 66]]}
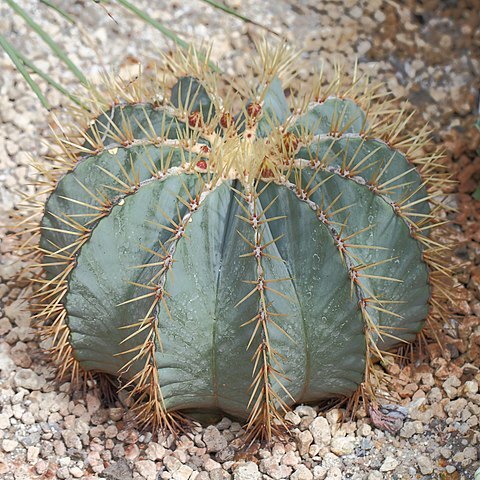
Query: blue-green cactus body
{"points": [[188, 272]]}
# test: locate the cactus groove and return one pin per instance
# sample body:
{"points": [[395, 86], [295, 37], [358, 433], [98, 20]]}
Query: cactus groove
{"points": [[235, 259]]}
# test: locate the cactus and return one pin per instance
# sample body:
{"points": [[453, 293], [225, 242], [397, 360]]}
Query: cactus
{"points": [[237, 263]]}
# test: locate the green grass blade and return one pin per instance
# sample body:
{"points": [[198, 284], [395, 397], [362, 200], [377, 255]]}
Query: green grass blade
{"points": [[50, 80], [164, 30], [48, 40], [59, 10], [147, 18], [11, 52], [476, 194], [234, 13]]}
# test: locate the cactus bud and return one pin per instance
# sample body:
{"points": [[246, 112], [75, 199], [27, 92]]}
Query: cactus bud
{"points": [[226, 121], [290, 142], [201, 164], [195, 119], [254, 109]]}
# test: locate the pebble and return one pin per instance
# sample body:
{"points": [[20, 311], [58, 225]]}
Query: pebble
{"points": [[334, 473], [319, 472], [76, 472], [214, 440], [454, 408], [63, 473], [356, 12], [331, 460], [41, 467], [147, 469], [291, 459], [379, 16], [29, 379], [389, 464], [425, 464], [131, 452], [172, 463], [155, 451], [363, 47], [305, 411], [293, 418], [71, 439], [116, 414], [224, 424], [246, 471], [470, 387], [272, 467], [9, 445], [304, 440], [302, 473], [210, 464], [32, 454], [364, 430], [183, 473], [470, 453], [320, 430], [118, 471], [4, 421], [408, 430], [342, 445], [450, 386]]}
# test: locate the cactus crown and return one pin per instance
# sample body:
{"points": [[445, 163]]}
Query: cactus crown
{"points": [[242, 262]]}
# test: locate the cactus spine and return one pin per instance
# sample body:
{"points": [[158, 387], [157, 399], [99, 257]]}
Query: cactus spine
{"points": [[237, 263]]}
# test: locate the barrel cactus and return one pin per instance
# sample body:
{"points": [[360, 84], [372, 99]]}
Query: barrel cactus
{"points": [[218, 256]]}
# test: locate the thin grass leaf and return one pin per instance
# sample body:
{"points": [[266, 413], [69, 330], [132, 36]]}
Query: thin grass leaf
{"points": [[476, 194], [49, 80], [49, 41], [59, 10], [236, 14], [11, 52], [164, 30]]}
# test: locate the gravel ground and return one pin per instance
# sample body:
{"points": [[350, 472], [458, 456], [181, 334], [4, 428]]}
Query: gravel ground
{"points": [[426, 52]]}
